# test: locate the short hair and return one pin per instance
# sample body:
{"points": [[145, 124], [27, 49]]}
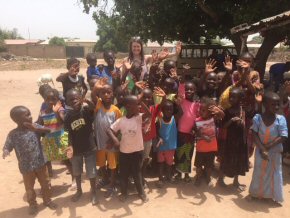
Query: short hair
{"points": [[269, 95], [167, 102], [207, 101], [16, 112], [106, 53], [71, 61], [237, 90], [190, 83], [91, 56], [43, 88], [247, 56], [129, 98], [71, 91]]}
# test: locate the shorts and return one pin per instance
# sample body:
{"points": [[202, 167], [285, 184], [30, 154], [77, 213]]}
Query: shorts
{"points": [[104, 156], [147, 149], [204, 159], [90, 163], [166, 156]]}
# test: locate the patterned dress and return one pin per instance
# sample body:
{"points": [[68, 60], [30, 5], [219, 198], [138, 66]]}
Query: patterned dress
{"points": [[267, 181], [55, 142]]}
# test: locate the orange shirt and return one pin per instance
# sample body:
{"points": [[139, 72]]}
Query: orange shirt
{"points": [[206, 135]]}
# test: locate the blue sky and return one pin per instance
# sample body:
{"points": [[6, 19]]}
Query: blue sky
{"points": [[47, 18]]}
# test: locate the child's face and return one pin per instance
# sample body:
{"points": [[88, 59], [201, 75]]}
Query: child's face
{"points": [[220, 77], [92, 62], [211, 81], [272, 105], [167, 110], [106, 94], [74, 101], [168, 86], [110, 59], [235, 98], [24, 117], [204, 112], [50, 100], [236, 76], [189, 91], [132, 107], [147, 97], [168, 65], [74, 69]]}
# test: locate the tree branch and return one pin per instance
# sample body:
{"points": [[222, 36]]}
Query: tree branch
{"points": [[206, 9]]}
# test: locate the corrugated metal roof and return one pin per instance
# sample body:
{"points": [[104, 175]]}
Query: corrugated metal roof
{"points": [[267, 23]]}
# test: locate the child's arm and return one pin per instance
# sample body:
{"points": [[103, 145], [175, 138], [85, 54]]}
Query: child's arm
{"points": [[147, 114], [160, 141], [276, 141], [97, 88], [179, 113], [36, 128], [113, 137], [91, 105], [85, 88], [59, 113], [257, 141]]}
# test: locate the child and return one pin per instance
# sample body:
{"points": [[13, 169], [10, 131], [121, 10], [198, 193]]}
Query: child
{"points": [[269, 131], [54, 143], [71, 79], [168, 91], [79, 124], [167, 144], [132, 74], [206, 142], [234, 150], [111, 71], [131, 145], [105, 115], [120, 93], [25, 140], [186, 123], [149, 131], [92, 70]]}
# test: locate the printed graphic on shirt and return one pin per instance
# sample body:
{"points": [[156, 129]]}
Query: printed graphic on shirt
{"points": [[77, 124]]}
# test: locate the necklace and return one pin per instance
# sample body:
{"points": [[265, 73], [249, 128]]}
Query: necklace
{"points": [[74, 80]]}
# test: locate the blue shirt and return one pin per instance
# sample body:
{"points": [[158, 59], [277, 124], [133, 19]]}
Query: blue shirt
{"points": [[93, 71], [27, 148], [168, 133]]}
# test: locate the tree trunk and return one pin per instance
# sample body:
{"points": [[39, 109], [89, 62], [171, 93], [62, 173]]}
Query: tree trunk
{"points": [[271, 39], [237, 40]]}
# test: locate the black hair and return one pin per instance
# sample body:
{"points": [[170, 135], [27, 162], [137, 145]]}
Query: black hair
{"points": [[139, 41], [43, 88], [238, 90], [169, 80], [71, 61], [190, 83], [129, 98], [106, 53], [16, 112], [147, 90], [72, 91], [136, 66], [269, 95], [91, 56], [169, 64], [207, 101], [247, 56], [167, 102]]}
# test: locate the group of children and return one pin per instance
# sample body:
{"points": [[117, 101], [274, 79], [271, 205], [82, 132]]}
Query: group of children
{"points": [[131, 118]]}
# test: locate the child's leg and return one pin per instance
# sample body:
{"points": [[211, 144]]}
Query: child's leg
{"points": [[124, 172], [43, 180], [49, 168], [161, 161], [209, 164], [239, 186], [198, 176], [169, 158], [136, 164], [77, 168], [69, 167], [29, 181], [91, 171], [198, 163], [147, 150], [101, 162]]}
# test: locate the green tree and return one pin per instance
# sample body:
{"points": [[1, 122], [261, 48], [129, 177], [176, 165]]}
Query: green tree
{"points": [[8, 34], [111, 32], [57, 41], [187, 20]]}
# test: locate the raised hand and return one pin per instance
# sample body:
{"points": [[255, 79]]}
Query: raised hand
{"points": [[56, 107], [154, 56], [178, 48], [210, 66], [258, 98], [127, 65], [159, 92], [243, 64], [141, 84], [228, 64], [179, 99], [163, 54], [101, 82], [125, 85]]}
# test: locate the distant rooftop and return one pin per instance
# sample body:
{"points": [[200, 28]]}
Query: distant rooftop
{"points": [[21, 41]]}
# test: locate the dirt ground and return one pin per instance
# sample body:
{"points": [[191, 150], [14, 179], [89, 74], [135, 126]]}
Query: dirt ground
{"points": [[181, 200]]}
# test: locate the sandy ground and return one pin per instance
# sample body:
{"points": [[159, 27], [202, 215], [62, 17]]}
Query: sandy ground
{"points": [[181, 200]]}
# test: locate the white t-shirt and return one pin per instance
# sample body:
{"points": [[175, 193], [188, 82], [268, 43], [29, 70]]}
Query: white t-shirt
{"points": [[131, 130]]}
